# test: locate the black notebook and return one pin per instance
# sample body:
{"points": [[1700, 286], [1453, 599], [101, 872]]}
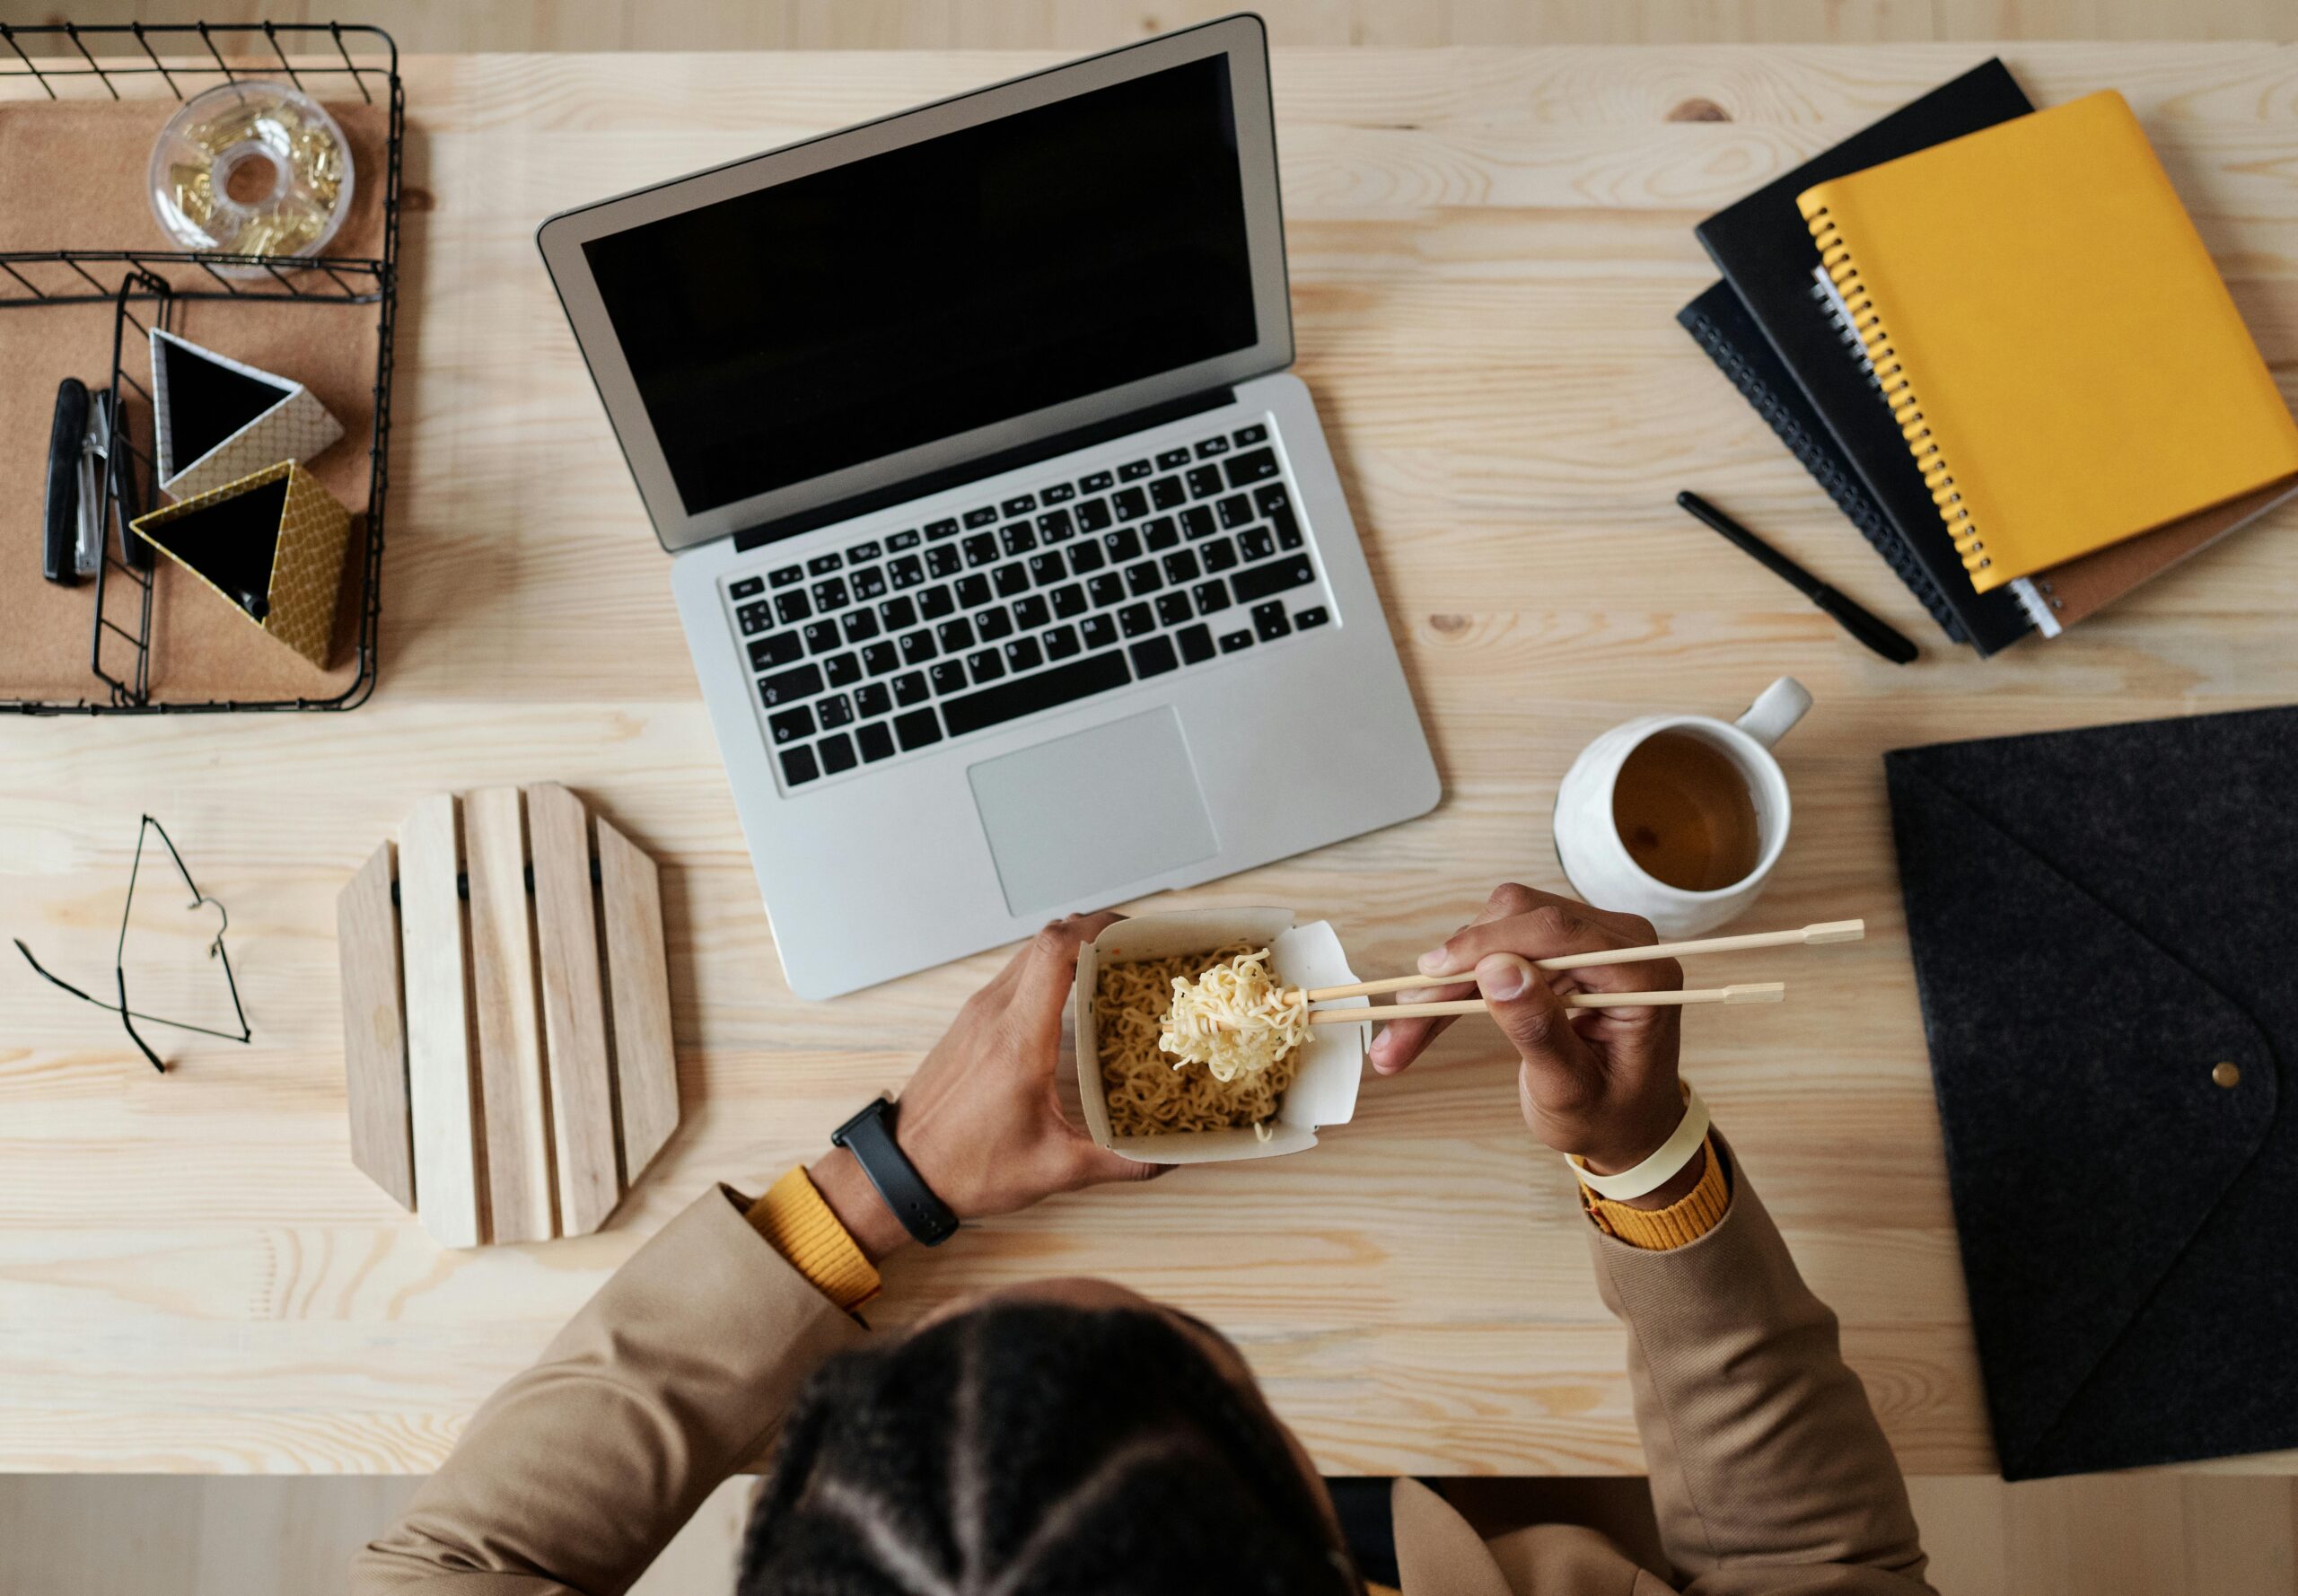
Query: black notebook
{"points": [[1737, 346], [1765, 251], [2102, 928]]}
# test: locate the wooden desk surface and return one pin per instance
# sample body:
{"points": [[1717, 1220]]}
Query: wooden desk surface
{"points": [[1487, 249]]}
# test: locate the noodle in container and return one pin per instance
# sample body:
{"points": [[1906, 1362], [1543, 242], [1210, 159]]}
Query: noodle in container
{"points": [[1324, 1073]]}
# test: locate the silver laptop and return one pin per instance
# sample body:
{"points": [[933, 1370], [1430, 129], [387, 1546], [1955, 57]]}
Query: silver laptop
{"points": [[1016, 568]]}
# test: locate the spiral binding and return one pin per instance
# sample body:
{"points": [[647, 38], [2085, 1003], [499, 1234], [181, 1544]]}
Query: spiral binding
{"points": [[1891, 375]]}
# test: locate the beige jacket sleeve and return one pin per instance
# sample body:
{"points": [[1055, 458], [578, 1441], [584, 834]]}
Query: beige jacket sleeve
{"points": [[1769, 1471], [576, 1475]]}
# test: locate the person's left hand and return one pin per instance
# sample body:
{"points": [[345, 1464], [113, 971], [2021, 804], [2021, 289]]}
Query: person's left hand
{"points": [[981, 1119]]}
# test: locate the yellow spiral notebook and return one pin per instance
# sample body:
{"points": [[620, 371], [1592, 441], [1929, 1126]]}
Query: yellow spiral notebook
{"points": [[2052, 336]]}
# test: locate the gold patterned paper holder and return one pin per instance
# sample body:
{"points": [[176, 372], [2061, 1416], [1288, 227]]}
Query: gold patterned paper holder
{"points": [[271, 544]]}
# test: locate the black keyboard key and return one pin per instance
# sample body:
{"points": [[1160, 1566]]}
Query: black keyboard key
{"points": [[1019, 538], [861, 625], [798, 765], [1010, 579], [900, 542], [787, 575], [837, 754], [984, 666], [899, 614], [873, 699], [871, 585], [1205, 482], [1245, 437], [906, 572], [1133, 470], [985, 516], [981, 549], [1048, 569], [1270, 497], [950, 677], [1172, 607], [1212, 446], [862, 553], [1023, 654], [1220, 555], [1236, 510], [1020, 506], [1268, 620], [791, 725], [1069, 602], [1087, 557], [880, 658], [1314, 616], [837, 710], [1098, 631], [1197, 644], [1060, 493], [1129, 503], [1122, 544], [940, 529], [1231, 642], [917, 647], [941, 560], [781, 649], [1154, 656], [1054, 526], [754, 618], [1288, 530], [1264, 579], [993, 623], [1160, 534], [917, 729], [748, 587], [822, 564], [1172, 458], [842, 670], [1106, 589], [936, 602], [877, 742], [1167, 494], [1143, 578], [1093, 515], [1197, 521], [1063, 684], [1099, 482], [1061, 643], [1258, 466], [955, 635], [973, 592], [830, 595], [1180, 565], [1212, 597], [909, 689], [1031, 613], [1257, 543], [790, 686], [1136, 621], [821, 636]]}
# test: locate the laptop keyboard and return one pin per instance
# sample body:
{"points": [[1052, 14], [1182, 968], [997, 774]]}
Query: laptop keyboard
{"points": [[899, 642]]}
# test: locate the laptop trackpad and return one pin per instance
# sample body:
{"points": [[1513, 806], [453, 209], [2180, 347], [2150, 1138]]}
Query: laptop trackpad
{"points": [[1078, 816]]}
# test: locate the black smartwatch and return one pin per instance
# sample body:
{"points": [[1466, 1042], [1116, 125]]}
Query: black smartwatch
{"points": [[869, 1136]]}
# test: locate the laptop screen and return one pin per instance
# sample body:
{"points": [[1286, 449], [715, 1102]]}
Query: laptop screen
{"points": [[853, 312]]}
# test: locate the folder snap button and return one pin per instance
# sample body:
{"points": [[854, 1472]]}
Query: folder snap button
{"points": [[2226, 1074]]}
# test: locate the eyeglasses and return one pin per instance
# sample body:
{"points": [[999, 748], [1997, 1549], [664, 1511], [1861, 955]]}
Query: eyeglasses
{"points": [[216, 951]]}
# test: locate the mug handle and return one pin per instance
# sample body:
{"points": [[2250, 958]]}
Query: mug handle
{"points": [[1773, 714]]}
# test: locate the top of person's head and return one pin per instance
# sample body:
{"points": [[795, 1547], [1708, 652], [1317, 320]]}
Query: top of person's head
{"points": [[1026, 1449]]}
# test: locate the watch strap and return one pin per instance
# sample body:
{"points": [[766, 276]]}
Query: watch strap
{"points": [[869, 1136]]}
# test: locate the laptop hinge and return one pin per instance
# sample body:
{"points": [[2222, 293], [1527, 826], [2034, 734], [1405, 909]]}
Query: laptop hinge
{"points": [[974, 470]]}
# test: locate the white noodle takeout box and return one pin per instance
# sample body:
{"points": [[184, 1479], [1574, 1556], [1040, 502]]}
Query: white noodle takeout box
{"points": [[1332, 1062]]}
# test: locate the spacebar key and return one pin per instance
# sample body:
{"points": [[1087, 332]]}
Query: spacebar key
{"points": [[1029, 694]]}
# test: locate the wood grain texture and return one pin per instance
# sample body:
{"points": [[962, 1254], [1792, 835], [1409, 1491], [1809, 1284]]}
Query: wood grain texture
{"points": [[375, 1029], [450, 1145], [522, 1201], [1487, 249], [573, 999], [638, 977]]}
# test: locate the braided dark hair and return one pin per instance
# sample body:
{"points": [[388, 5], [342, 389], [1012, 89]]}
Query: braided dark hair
{"points": [[1030, 1449]]}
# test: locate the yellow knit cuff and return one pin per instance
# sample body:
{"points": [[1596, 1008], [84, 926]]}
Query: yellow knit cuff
{"points": [[1656, 1230], [799, 1225]]}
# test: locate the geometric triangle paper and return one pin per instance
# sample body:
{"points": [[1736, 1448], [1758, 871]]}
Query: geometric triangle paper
{"points": [[217, 420]]}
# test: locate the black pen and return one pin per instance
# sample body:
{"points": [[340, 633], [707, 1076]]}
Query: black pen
{"points": [[1869, 629]]}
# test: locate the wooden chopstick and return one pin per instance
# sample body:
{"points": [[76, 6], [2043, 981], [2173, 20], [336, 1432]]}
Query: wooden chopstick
{"points": [[1825, 930], [1745, 992]]}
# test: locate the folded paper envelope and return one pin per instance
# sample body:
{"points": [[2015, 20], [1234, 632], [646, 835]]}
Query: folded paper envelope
{"points": [[2105, 929]]}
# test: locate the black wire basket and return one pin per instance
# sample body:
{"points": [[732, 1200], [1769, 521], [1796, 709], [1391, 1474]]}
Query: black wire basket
{"points": [[146, 286]]}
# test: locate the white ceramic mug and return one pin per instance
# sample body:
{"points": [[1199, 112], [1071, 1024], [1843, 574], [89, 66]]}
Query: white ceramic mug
{"points": [[1587, 837]]}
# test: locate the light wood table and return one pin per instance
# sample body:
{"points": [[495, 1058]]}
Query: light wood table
{"points": [[1487, 249]]}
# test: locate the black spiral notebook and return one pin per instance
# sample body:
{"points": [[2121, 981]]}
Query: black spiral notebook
{"points": [[1733, 341], [1764, 249]]}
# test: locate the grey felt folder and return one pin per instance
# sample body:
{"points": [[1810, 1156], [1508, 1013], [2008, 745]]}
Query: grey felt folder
{"points": [[2105, 929]]}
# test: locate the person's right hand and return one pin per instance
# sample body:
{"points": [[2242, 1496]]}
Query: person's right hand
{"points": [[1597, 1082]]}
